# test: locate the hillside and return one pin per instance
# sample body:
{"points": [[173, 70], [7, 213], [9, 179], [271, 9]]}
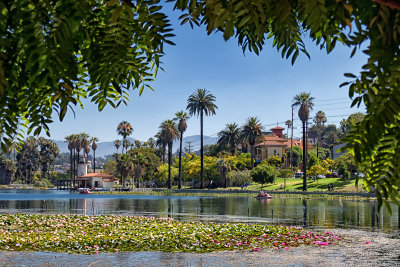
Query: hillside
{"points": [[108, 148]]}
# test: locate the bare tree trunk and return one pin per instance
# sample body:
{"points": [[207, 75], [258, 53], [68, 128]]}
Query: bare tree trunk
{"points": [[304, 158], [201, 151], [169, 164], [180, 160]]}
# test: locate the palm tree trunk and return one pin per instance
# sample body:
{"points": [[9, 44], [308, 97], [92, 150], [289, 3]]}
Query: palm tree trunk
{"points": [[163, 154], [169, 164], [201, 151], [304, 158], [73, 170], [70, 159], [180, 160], [94, 160], [252, 155], [224, 179], [77, 166]]}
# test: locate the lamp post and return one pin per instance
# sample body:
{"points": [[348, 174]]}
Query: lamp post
{"points": [[303, 115]]}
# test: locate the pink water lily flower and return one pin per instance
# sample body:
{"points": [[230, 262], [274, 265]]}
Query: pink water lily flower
{"points": [[367, 242]]}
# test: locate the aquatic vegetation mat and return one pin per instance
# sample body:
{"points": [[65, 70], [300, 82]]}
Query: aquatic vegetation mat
{"points": [[95, 234]]}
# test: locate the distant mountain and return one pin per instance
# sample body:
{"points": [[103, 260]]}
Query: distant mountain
{"points": [[108, 148]]}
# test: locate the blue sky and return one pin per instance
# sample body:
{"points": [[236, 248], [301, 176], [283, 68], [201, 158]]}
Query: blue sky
{"points": [[244, 85]]}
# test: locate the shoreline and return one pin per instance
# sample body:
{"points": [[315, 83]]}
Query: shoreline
{"points": [[381, 250]]}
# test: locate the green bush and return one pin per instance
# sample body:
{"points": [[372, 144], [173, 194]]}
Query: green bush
{"points": [[240, 177], [264, 174]]}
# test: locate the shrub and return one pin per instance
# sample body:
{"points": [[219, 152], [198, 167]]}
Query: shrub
{"points": [[240, 177], [264, 173]]}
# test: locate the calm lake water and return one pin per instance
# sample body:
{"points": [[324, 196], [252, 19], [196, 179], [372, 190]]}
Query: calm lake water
{"points": [[319, 213]]}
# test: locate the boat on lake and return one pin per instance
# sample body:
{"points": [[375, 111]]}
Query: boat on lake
{"points": [[263, 195], [84, 191]]}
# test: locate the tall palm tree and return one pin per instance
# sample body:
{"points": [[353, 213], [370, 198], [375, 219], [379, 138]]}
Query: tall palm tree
{"points": [[201, 102], [93, 140], [170, 132], [84, 137], [288, 123], [303, 115], [117, 144], [78, 148], [319, 120], [181, 117], [251, 132], [230, 137], [70, 140], [305, 101], [161, 143], [124, 129]]}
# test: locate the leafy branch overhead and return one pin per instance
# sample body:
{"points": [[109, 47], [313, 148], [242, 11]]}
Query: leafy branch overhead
{"points": [[374, 24], [55, 53]]}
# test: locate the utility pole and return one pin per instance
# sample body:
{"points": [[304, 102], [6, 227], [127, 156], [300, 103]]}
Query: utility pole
{"points": [[189, 148], [291, 142]]}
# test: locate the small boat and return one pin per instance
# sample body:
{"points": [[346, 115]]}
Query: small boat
{"points": [[84, 191], [263, 197]]}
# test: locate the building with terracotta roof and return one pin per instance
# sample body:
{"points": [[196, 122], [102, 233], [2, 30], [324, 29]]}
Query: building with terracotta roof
{"points": [[98, 180], [275, 145]]}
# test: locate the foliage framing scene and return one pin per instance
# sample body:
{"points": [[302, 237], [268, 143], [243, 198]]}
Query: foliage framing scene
{"points": [[56, 54]]}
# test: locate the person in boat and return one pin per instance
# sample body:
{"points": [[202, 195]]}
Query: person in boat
{"points": [[263, 194]]}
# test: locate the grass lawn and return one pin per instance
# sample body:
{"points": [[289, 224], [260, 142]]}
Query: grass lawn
{"points": [[296, 184]]}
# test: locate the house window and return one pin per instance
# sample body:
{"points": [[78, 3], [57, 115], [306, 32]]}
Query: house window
{"points": [[274, 152]]}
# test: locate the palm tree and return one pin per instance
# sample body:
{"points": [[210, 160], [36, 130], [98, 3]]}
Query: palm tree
{"points": [[139, 159], [319, 120], [161, 143], [303, 115], [117, 144], [181, 116], [201, 102], [70, 140], [251, 131], [303, 97], [124, 129], [93, 140], [84, 137], [170, 132], [288, 123], [126, 144], [125, 166], [305, 101], [230, 137], [151, 142]]}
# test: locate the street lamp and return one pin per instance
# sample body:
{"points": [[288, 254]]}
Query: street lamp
{"points": [[303, 115]]}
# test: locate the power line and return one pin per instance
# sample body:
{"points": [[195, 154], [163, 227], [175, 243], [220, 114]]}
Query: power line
{"points": [[332, 99]]}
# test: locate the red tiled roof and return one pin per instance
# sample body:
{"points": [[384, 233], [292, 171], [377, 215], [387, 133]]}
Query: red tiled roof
{"points": [[97, 174], [109, 179], [277, 128]]}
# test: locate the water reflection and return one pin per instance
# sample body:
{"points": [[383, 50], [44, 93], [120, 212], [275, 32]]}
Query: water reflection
{"points": [[306, 212]]}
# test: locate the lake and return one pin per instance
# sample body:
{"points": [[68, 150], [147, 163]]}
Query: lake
{"points": [[317, 213]]}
